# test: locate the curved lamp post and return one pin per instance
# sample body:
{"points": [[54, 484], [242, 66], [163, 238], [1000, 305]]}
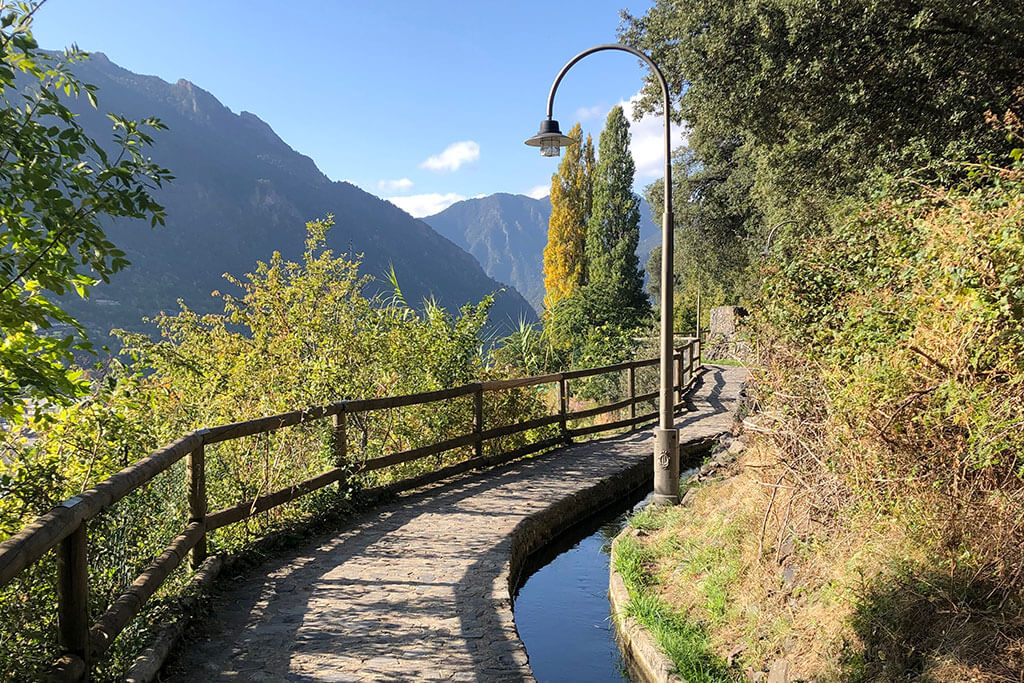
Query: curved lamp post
{"points": [[666, 438], [771, 235]]}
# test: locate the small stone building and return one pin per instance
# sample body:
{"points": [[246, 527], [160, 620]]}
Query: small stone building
{"points": [[725, 337]]}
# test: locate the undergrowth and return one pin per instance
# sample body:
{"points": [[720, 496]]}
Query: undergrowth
{"points": [[875, 530], [893, 392], [294, 335]]}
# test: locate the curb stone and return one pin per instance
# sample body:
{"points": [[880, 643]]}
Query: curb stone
{"points": [[644, 659]]}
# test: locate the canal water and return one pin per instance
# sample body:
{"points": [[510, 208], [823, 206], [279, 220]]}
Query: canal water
{"points": [[561, 608]]}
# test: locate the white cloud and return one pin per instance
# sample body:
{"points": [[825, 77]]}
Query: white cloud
{"points": [[453, 157], [420, 205], [539, 192], [598, 111], [399, 185], [647, 143]]}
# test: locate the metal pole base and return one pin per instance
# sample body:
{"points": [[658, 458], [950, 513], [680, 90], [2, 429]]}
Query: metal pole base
{"points": [[666, 467]]}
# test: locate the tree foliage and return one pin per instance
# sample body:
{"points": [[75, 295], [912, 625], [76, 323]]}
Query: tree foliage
{"points": [[571, 190], [614, 227], [593, 322], [880, 141], [794, 108], [895, 370], [59, 186], [713, 216], [828, 93]]}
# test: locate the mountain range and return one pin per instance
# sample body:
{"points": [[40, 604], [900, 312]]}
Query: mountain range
{"points": [[239, 194], [506, 233]]}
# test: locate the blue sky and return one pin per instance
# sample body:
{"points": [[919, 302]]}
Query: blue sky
{"points": [[424, 103]]}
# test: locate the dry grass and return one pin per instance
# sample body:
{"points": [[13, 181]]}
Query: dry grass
{"points": [[847, 597], [874, 531]]}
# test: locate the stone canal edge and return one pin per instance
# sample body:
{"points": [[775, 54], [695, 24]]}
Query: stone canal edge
{"points": [[644, 658]]}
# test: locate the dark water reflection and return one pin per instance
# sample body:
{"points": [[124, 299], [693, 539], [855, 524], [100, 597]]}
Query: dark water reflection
{"points": [[561, 607]]}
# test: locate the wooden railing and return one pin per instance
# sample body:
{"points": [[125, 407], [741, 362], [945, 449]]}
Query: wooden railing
{"points": [[65, 527]]}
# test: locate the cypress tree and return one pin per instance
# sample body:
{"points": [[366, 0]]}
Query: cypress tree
{"points": [[565, 252], [613, 230]]}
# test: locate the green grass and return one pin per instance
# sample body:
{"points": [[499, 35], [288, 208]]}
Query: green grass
{"points": [[648, 519], [685, 643], [718, 566]]}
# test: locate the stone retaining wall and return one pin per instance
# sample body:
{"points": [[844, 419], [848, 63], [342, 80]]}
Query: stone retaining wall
{"points": [[643, 657], [540, 528]]}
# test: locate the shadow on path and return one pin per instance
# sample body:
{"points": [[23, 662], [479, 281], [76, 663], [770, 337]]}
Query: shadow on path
{"points": [[421, 588]]}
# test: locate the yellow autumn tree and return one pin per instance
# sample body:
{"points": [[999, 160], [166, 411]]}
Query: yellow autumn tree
{"points": [[565, 253]]}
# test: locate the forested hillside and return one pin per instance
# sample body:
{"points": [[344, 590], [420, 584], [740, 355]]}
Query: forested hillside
{"points": [[507, 233], [364, 302], [853, 173]]}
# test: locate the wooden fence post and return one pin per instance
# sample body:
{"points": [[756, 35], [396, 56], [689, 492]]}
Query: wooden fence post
{"points": [[632, 394], [195, 474], [73, 593], [478, 420], [694, 357], [339, 446], [339, 443], [678, 358], [563, 407]]}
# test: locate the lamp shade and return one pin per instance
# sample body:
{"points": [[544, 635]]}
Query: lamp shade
{"points": [[550, 139]]}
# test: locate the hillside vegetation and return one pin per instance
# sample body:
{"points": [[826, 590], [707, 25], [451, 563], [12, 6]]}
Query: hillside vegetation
{"points": [[291, 335], [873, 529]]}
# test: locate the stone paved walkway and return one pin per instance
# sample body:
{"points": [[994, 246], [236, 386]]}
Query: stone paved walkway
{"points": [[419, 589]]}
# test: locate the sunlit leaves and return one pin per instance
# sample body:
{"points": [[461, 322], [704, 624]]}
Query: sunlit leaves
{"points": [[59, 186], [613, 230], [571, 190]]}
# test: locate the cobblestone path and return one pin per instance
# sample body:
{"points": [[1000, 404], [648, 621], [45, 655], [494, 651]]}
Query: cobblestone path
{"points": [[418, 589]]}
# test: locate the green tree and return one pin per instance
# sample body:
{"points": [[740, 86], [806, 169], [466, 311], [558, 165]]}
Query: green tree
{"points": [[291, 335], [587, 329], [564, 254], [614, 227], [827, 96], [59, 186], [796, 107], [713, 216]]}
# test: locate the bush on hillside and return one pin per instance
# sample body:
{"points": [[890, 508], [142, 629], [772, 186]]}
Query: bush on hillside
{"points": [[296, 335], [895, 381]]}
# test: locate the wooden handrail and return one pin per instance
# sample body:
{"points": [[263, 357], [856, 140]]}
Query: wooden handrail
{"points": [[29, 544], [65, 525]]}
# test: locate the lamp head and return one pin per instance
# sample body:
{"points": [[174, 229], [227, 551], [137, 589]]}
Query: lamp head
{"points": [[550, 139]]}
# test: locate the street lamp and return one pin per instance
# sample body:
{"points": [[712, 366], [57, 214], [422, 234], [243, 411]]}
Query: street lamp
{"points": [[666, 437], [550, 139]]}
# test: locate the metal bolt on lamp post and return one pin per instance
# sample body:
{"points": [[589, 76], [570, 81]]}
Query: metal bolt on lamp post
{"points": [[666, 437]]}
